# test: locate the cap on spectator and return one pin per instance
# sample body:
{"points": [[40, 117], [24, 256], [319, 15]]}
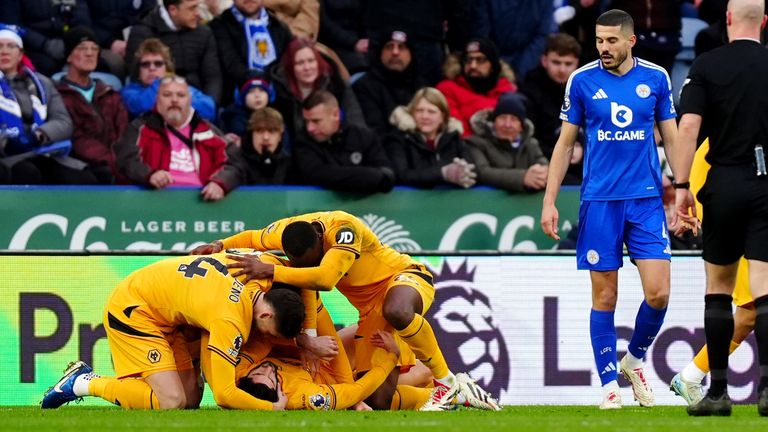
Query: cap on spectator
{"points": [[74, 36], [13, 33], [511, 103], [260, 83], [484, 46]]}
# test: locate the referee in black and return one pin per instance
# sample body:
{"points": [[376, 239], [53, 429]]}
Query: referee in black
{"points": [[726, 99]]}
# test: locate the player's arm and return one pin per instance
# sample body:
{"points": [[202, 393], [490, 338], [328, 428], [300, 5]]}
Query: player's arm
{"points": [[349, 394], [222, 379], [558, 166], [334, 265]]}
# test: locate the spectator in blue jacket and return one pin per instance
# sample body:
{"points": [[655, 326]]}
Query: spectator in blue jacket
{"points": [[153, 63], [518, 28]]}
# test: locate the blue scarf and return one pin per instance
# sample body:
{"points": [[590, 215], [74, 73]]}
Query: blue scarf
{"points": [[12, 126], [261, 49]]}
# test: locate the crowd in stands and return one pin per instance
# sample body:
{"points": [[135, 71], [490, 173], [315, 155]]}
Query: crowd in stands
{"points": [[350, 95]]}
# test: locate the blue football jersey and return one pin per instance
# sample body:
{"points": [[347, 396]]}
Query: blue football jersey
{"points": [[618, 114]]}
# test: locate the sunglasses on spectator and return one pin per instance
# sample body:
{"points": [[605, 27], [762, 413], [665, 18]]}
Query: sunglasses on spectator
{"points": [[156, 63]]}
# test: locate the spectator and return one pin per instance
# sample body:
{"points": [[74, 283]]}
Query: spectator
{"points": [[519, 28], [427, 149], [110, 18], [97, 111], [301, 71], [506, 154], [425, 22], [545, 89], [479, 85], [45, 22], [301, 16], [173, 146], [33, 117], [153, 62], [250, 39], [338, 155], [264, 162], [193, 46], [341, 29], [392, 80], [255, 94]]}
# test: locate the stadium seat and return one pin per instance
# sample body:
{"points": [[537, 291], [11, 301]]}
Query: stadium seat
{"points": [[684, 59]]}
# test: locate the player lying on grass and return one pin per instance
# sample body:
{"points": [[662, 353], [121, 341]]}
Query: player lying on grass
{"points": [[282, 377]]}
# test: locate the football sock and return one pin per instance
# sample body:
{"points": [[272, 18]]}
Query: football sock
{"points": [[603, 334], [129, 393], [80, 386], [421, 338], [761, 334], [692, 372], [610, 386], [701, 363], [647, 325], [718, 327], [409, 397]]}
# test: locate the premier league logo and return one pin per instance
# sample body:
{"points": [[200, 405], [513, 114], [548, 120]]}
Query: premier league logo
{"points": [[462, 318]]}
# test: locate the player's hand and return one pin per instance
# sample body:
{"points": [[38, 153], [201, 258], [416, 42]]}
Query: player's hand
{"points": [[362, 406], [324, 347], [311, 362], [282, 399], [549, 220], [385, 340], [208, 248], [250, 266], [685, 217]]}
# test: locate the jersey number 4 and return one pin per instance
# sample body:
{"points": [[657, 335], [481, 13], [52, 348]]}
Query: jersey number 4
{"points": [[193, 269]]}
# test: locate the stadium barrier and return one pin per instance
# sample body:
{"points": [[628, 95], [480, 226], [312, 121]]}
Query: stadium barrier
{"points": [[517, 323], [129, 218]]}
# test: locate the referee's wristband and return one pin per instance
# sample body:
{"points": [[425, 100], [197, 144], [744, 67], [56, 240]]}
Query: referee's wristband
{"points": [[683, 185]]}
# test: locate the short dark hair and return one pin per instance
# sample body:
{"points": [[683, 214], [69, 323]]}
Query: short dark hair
{"points": [[320, 97], [298, 237], [266, 118], [563, 45], [288, 309], [259, 391], [617, 17]]}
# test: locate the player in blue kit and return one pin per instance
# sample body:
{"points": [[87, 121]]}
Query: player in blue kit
{"points": [[618, 99]]}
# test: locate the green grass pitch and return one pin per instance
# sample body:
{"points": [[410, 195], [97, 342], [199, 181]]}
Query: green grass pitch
{"points": [[517, 418]]}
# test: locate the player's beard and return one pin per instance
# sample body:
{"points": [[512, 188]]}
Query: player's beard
{"points": [[617, 61]]}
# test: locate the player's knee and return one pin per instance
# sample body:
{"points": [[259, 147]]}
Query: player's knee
{"points": [[605, 300], [657, 300], [172, 400], [399, 317]]}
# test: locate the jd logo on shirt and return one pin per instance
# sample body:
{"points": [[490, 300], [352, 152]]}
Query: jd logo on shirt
{"points": [[621, 115]]}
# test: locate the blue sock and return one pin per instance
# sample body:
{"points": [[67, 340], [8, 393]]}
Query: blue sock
{"points": [[603, 334], [647, 326]]}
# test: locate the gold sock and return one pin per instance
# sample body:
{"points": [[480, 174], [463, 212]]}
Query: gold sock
{"points": [[409, 398], [702, 360], [421, 338], [129, 393]]}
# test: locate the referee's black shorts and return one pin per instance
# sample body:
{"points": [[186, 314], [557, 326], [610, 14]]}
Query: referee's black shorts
{"points": [[735, 222]]}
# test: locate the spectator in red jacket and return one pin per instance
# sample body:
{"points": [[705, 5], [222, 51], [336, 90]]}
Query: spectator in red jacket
{"points": [[97, 111], [480, 84], [173, 146]]}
